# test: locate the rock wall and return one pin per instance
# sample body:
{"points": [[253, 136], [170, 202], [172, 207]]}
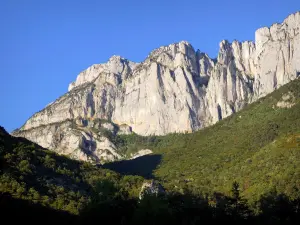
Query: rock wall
{"points": [[176, 89]]}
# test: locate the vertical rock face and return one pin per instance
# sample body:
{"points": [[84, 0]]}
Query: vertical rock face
{"points": [[176, 89], [277, 55], [231, 82]]}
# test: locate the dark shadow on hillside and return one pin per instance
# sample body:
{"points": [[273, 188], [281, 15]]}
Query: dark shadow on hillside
{"points": [[17, 210], [141, 166], [189, 209]]}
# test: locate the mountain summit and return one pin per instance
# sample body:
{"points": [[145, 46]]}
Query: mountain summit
{"points": [[175, 89]]}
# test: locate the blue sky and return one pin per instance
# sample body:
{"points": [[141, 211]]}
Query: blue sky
{"points": [[44, 44]]}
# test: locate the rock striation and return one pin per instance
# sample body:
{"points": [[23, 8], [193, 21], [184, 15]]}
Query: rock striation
{"points": [[175, 89]]}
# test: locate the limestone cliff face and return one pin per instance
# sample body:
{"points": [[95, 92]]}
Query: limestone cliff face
{"points": [[277, 55], [176, 89]]}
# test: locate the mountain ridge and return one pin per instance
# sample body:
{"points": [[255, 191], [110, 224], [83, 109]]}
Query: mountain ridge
{"points": [[175, 89]]}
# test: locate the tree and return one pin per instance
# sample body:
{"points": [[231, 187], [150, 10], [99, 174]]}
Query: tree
{"points": [[238, 207], [235, 190], [24, 166], [49, 162]]}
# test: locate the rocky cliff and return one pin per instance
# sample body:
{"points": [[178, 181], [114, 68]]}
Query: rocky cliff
{"points": [[176, 89]]}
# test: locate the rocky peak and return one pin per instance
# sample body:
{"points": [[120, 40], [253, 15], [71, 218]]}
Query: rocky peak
{"points": [[116, 65], [225, 53], [182, 47], [116, 58], [240, 53], [175, 89], [174, 56], [277, 54]]}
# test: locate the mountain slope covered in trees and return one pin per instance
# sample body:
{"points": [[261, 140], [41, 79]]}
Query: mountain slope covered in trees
{"points": [[245, 169], [29, 172], [259, 147], [175, 89]]}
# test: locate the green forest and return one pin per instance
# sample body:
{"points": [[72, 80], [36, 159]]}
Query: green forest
{"points": [[243, 170], [259, 147]]}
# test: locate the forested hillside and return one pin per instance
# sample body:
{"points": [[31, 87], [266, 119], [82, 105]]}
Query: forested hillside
{"points": [[32, 173], [259, 147], [245, 169]]}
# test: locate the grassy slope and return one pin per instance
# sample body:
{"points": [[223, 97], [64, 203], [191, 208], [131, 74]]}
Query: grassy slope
{"points": [[259, 147]]}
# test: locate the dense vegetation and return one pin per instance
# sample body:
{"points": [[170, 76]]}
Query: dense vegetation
{"points": [[243, 170], [29, 172], [109, 206], [259, 147]]}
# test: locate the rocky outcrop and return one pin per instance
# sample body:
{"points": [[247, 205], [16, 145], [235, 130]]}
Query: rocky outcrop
{"points": [[288, 100], [176, 89], [141, 153], [77, 139], [152, 188]]}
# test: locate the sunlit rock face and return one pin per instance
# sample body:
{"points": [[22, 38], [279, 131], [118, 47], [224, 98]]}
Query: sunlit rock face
{"points": [[175, 89]]}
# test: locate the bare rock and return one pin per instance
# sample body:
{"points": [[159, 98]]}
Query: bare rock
{"points": [[175, 89], [124, 129], [152, 188], [141, 153], [287, 101]]}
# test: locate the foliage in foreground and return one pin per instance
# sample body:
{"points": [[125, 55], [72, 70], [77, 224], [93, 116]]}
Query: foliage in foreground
{"points": [[31, 173], [257, 147], [110, 207]]}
